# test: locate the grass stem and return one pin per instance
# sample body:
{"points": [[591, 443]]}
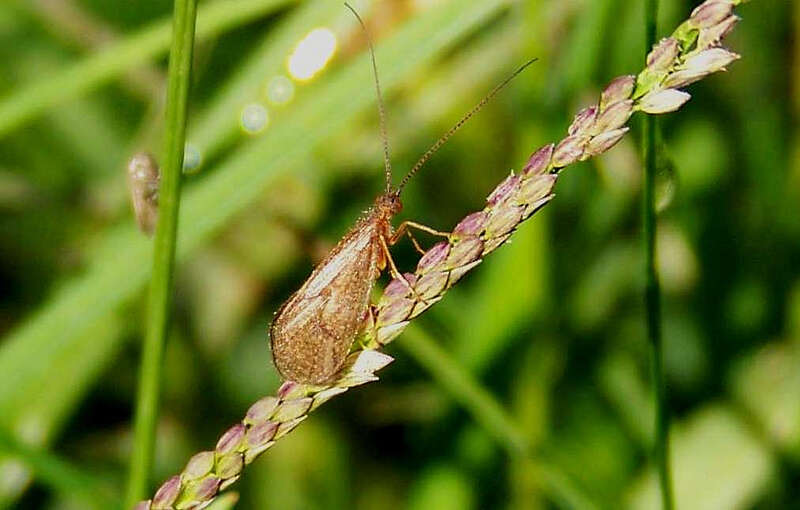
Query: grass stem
{"points": [[161, 282], [652, 297]]}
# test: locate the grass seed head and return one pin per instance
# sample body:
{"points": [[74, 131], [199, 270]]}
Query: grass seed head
{"points": [[595, 130]]}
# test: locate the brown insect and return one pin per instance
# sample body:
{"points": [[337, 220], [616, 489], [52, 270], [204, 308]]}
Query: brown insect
{"points": [[143, 180], [314, 330]]}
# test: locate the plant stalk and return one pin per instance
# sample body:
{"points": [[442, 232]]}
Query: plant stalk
{"points": [[661, 450], [161, 282]]}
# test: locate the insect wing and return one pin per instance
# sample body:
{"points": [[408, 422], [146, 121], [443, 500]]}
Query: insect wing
{"points": [[313, 331]]}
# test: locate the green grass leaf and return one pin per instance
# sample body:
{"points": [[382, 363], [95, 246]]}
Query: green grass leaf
{"points": [[35, 98]]}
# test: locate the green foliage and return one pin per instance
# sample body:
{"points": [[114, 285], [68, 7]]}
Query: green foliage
{"points": [[546, 336]]}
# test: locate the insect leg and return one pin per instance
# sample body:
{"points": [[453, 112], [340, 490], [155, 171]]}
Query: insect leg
{"points": [[414, 242], [406, 226], [402, 229], [395, 272]]}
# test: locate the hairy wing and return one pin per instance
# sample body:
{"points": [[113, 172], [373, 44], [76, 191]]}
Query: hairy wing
{"points": [[313, 331]]}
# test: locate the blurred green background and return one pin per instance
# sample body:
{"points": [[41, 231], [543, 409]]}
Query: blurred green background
{"points": [[280, 164]]}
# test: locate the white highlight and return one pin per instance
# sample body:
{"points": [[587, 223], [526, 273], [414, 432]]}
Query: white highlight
{"points": [[312, 54]]}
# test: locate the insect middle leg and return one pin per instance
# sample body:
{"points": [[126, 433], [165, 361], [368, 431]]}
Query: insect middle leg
{"points": [[414, 242], [405, 228], [394, 271]]}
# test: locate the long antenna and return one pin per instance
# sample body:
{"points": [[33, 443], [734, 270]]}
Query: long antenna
{"points": [[387, 163], [441, 141]]}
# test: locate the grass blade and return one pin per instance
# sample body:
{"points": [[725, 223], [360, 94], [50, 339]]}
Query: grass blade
{"points": [[35, 98], [58, 474], [489, 413]]}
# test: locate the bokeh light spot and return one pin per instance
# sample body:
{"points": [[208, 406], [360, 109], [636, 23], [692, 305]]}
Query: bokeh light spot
{"points": [[191, 159], [280, 90], [311, 54], [255, 118]]}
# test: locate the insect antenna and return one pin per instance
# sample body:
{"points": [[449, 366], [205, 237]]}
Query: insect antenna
{"points": [[441, 141], [381, 109]]}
